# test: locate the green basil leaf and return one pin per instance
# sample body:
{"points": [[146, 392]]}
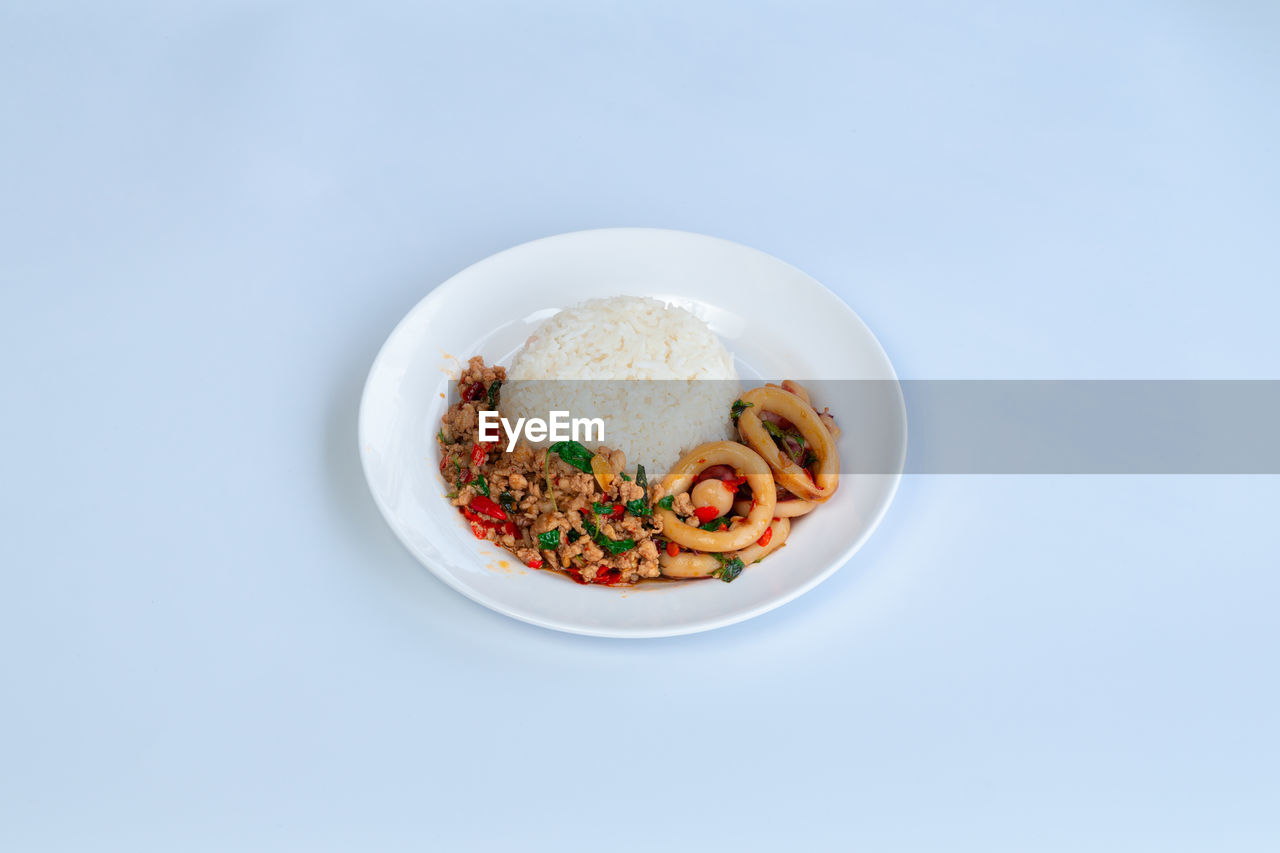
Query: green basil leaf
{"points": [[729, 570], [613, 546], [480, 485], [667, 502], [549, 541], [640, 506], [575, 454], [493, 393], [785, 438]]}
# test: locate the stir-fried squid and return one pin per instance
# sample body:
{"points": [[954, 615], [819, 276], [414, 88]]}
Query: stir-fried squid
{"points": [[815, 483], [739, 534], [784, 435]]}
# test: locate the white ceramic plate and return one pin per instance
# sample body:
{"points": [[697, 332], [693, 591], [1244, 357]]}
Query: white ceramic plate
{"points": [[779, 323]]}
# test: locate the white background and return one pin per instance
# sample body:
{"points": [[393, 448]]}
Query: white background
{"points": [[213, 214]]}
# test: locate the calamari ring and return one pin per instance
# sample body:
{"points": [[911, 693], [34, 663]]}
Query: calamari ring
{"points": [[744, 461], [790, 475], [689, 564], [782, 509], [755, 552]]}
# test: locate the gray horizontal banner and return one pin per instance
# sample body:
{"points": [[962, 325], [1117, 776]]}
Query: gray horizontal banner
{"points": [[996, 426], [1093, 427]]}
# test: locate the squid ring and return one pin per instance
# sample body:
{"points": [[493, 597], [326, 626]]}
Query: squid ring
{"points": [[755, 552], [688, 564], [744, 461], [790, 475]]}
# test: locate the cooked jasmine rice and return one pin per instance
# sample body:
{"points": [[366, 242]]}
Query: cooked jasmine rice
{"points": [[618, 343]]}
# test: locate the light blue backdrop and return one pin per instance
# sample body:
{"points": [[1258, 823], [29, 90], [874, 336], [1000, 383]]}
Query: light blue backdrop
{"points": [[211, 216]]}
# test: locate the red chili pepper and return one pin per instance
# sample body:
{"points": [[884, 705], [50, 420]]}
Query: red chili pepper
{"points": [[480, 531], [485, 506], [706, 513], [618, 511], [510, 529], [608, 577], [575, 575], [478, 452], [765, 537], [722, 527], [534, 564], [734, 484], [672, 549], [471, 392]]}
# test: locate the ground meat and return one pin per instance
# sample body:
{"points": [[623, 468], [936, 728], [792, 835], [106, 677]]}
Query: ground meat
{"points": [[628, 491], [464, 497], [548, 521], [518, 482], [648, 551], [591, 551], [632, 527], [466, 420]]}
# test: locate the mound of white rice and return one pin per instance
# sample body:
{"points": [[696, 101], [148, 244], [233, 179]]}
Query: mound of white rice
{"points": [[616, 345]]}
